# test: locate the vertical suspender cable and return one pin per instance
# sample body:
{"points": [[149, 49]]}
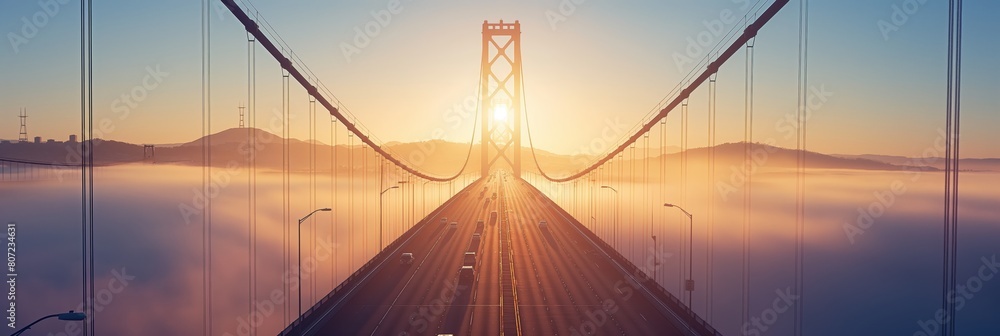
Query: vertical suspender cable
{"points": [[364, 198], [632, 191], [956, 113], [350, 202], [285, 189], [251, 211], [663, 172], [90, 164], [710, 250], [949, 137], [253, 157], [950, 243], [747, 148], [380, 169], [946, 242], [90, 151], [206, 178], [800, 181], [647, 198], [333, 191], [683, 195], [85, 148], [312, 195]]}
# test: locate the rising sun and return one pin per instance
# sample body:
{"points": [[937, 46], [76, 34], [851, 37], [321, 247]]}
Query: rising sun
{"points": [[500, 112]]}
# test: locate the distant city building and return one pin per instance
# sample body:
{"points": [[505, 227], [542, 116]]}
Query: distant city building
{"points": [[72, 138], [38, 139], [4, 141], [50, 141]]}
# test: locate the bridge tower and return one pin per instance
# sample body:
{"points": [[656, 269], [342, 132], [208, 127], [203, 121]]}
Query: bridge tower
{"points": [[149, 153], [501, 96]]}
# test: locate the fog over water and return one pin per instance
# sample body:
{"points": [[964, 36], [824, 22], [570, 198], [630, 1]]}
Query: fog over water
{"points": [[873, 255], [883, 278], [142, 232]]}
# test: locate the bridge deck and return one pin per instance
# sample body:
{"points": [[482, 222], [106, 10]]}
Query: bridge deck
{"points": [[529, 280]]}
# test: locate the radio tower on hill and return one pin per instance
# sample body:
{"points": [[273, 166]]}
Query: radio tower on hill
{"points": [[23, 136]]}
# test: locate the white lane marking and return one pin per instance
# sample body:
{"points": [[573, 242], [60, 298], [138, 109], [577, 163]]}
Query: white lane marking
{"points": [[327, 312], [405, 285]]}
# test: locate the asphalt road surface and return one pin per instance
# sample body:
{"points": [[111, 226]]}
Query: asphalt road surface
{"points": [[529, 280]]}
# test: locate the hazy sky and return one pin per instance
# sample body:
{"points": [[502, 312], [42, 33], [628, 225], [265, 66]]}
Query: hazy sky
{"points": [[608, 62]]}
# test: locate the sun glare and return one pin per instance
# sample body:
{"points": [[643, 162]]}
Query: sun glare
{"points": [[500, 112]]}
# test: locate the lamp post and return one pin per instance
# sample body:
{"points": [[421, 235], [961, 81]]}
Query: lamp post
{"points": [[70, 316], [617, 204], [402, 204], [300, 253], [593, 208], [656, 260], [380, 215], [689, 284]]}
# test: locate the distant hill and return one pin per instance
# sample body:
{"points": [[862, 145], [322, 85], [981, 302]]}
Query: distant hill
{"points": [[933, 162], [442, 158], [732, 153], [241, 135]]}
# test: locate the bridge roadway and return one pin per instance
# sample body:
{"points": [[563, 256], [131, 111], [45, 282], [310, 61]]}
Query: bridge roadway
{"points": [[554, 280]]}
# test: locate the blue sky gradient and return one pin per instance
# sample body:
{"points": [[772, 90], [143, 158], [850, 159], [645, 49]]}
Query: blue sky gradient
{"points": [[608, 61]]}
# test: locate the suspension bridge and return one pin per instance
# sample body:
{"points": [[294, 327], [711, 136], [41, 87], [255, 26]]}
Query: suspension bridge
{"points": [[515, 248]]}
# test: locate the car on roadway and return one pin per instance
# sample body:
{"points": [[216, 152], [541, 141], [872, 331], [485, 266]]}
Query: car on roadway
{"points": [[466, 275], [476, 243], [406, 258], [469, 259], [480, 226]]}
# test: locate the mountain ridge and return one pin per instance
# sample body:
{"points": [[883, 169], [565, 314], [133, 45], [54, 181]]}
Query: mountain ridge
{"points": [[443, 157]]}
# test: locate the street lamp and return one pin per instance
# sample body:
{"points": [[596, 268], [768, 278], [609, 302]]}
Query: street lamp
{"points": [[617, 205], [689, 284], [70, 316], [656, 259], [402, 205], [380, 215], [300, 253]]}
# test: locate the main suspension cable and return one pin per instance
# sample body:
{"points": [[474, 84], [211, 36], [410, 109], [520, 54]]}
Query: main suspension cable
{"points": [[314, 90], [748, 34]]}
